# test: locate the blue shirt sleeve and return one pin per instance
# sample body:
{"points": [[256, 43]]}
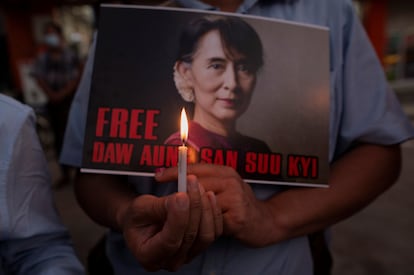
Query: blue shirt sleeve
{"points": [[364, 108], [33, 240]]}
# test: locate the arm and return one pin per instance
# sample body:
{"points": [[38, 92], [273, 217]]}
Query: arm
{"points": [[104, 207], [356, 179], [36, 242]]}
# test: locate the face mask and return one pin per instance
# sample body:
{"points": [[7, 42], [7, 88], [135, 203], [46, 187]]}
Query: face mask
{"points": [[51, 40]]}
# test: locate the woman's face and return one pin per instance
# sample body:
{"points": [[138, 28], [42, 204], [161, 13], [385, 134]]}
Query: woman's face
{"points": [[222, 84]]}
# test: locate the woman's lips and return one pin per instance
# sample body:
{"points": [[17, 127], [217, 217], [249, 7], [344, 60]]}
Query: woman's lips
{"points": [[227, 102]]}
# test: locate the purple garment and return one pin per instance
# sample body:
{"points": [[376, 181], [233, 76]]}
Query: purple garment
{"points": [[199, 137], [206, 146]]}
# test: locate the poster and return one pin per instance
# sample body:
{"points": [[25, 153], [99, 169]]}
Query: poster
{"points": [[255, 90]]}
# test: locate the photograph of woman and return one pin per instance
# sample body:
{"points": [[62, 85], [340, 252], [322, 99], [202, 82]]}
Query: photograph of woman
{"points": [[216, 70]]}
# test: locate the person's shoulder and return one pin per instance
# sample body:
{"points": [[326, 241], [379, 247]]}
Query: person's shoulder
{"points": [[325, 4], [344, 7], [321, 12], [9, 105], [339, 9], [12, 112]]}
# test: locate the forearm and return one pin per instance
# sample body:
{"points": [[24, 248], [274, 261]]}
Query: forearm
{"points": [[104, 198], [355, 180]]}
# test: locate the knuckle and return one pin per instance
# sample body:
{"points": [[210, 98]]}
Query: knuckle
{"points": [[207, 208], [233, 183], [238, 219], [195, 204]]}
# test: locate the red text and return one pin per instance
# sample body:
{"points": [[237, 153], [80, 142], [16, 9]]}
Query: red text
{"points": [[219, 156], [124, 123], [302, 166], [263, 163], [117, 153], [159, 155]]}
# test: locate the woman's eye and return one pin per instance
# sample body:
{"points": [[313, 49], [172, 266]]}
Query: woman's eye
{"points": [[216, 66], [244, 68]]}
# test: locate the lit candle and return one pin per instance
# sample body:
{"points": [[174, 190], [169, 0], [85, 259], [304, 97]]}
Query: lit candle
{"points": [[182, 154]]}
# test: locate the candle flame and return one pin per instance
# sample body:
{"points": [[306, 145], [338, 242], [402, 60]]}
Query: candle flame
{"points": [[184, 126]]}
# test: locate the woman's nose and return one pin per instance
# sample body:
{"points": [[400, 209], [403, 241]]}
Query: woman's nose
{"points": [[230, 78]]}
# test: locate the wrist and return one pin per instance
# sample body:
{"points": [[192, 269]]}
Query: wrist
{"points": [[265, 230]]}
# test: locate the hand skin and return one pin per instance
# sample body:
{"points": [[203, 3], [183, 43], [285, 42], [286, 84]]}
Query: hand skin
{"points": [[355, 180], [161, 232]]}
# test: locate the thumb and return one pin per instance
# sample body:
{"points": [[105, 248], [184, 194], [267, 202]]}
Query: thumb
{"points": [[167, 174], [167, 242], [167, 208], [152, 208], [177, 207]]}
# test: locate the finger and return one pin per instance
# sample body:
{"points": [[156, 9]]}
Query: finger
{"points": [[151, 208], [208, 169], [167, 242], [167, 174], [216, 178], [198, 169], [217, 214], [206, 233], [195, 210], [191, 231]]}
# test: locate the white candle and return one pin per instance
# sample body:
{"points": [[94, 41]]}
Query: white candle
{"points": [[182, 168], [182, 154]]}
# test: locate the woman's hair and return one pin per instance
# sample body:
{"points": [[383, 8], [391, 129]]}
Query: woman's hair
{"points": [[237, 37]]}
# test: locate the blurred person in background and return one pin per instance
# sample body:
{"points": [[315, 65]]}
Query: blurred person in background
{"points": [[32, 238], [57, 71]]}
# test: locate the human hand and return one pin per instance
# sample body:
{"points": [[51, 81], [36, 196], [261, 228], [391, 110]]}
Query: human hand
{"points": [[245, 217], [166, 232]]}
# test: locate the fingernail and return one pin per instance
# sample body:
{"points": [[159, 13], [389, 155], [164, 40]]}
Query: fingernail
{"points": [[193, 184], [182, 202], [212, 197], [159, 171], [202, 190]]}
